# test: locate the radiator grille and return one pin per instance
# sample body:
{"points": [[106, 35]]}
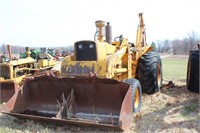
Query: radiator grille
{"points": [[86, 51]]}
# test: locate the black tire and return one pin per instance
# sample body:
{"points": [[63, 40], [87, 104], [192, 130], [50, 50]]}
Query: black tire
{"points": [[193, 72], [150, 72], [136, 94]]}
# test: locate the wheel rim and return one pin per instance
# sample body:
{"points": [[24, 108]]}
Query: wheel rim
{"points": [[136, 98], [159, 76]]}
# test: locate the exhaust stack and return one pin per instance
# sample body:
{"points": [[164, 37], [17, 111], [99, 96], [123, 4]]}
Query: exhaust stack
{"points": [[108, 33], [9, 52], [28, 52]]}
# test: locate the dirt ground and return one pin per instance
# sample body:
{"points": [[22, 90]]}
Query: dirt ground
{"points": [[172, 110]]}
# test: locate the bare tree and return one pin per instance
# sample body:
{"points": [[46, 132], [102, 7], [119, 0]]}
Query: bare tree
{"points": [[14, 49], [159, 46], [191, 40], [4, 48], [163, 46], [166, 45], [177, 46]]}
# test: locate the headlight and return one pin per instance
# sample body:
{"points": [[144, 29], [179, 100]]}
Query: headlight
{"points": [[80, 46], [91, 45]]}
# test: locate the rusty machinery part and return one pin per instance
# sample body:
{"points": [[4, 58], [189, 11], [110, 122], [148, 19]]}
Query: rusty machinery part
{"points": [[9, 52], [39, 74], [193, 71], [168, 85], [136, 94], [15, 71], [84, 101], [7, 90], [150, 72]]}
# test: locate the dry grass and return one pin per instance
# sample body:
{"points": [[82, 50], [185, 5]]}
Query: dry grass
{"points": [[171, 110]]}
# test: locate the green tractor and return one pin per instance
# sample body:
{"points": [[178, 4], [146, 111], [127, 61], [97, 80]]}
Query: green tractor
{"points": [[34, 54]]}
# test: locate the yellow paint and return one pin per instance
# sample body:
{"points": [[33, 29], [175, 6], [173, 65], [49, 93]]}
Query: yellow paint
{"points": [[118, 60], [16, 70]]}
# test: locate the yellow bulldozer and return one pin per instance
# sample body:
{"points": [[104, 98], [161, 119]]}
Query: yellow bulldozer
{"points": [[14, 71], [100, 85]]}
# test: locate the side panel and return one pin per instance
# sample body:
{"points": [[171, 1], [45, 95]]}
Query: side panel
{"points": [[83, 68], [78, 68], [7, 90]]}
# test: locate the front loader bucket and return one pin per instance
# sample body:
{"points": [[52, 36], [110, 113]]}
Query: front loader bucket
{"points": [[7, 90], [83, 101]]}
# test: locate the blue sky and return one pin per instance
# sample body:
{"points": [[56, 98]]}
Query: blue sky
{"points": [[54, 23]]}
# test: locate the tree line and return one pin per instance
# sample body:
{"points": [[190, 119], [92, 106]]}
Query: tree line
{"points": [[21, 49], [14, 49], [178, 46]]}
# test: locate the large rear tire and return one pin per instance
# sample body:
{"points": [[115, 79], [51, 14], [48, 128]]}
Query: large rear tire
{"points": [[193, 72], [136, 93], [150, 72]]}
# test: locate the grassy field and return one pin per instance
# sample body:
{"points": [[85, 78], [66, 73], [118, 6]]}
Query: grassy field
{"points": [[173, 109], [175, 69]]}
